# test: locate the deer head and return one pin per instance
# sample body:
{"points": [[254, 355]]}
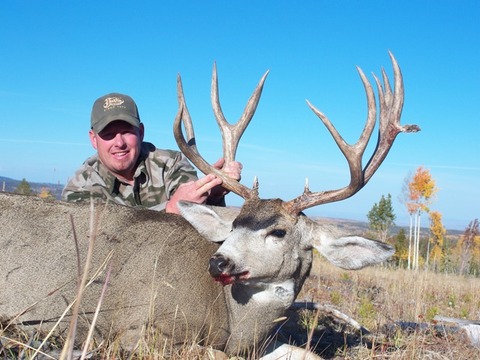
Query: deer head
{"points": [[275, 228]]}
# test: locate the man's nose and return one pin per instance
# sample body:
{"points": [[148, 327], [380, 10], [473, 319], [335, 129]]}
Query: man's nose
{"points": [[119, 140]]}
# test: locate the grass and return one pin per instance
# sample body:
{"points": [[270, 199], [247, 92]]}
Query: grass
{"points": [[376, 297], [379, 296]]}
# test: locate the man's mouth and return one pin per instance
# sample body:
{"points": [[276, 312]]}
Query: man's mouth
{"points": [[120, 155]]}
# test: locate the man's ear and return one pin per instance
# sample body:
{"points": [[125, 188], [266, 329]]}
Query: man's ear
{"points": [[93, 138], [141, 131]]}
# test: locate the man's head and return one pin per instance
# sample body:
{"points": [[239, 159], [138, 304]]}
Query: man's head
{"points": [[113, 107], [117, 134]]}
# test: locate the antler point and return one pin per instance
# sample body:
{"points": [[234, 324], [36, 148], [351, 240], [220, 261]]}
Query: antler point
{"points": [[411, 128]]}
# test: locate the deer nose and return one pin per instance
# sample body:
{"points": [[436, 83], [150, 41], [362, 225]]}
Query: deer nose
{"points": [[217, 265]]}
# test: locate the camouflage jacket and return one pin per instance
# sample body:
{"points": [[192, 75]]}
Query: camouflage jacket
{"points": [[158, 175]]}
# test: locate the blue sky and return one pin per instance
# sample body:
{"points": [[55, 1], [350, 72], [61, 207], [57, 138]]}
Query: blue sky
{"points": [[57, 57]]}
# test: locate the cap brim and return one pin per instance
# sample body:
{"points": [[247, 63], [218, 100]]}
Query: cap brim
{"points": [[100, 125]]}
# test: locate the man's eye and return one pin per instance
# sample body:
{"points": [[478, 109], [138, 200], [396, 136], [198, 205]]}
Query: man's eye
{"points": [[107, 135]]}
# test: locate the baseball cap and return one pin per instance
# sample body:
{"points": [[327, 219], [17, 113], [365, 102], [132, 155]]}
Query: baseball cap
{"points": [[112, 107]]}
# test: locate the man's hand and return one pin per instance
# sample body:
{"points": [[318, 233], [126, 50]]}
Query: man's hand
{"points": [[209, 187], [233, 170], [194, 191]]}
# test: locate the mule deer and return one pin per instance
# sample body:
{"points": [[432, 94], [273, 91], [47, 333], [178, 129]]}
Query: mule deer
{"points": [[159, 277]]}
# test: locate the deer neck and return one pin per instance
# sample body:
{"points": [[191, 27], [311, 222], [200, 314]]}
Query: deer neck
{"points": [[254, 309]]}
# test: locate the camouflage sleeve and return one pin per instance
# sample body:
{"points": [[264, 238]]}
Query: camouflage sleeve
{"points": [[85, 185], [178, 171]]}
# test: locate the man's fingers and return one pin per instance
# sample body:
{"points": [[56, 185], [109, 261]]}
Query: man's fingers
{"points": [[205, 184], [205, 180], [219, 164], [234, 170]]}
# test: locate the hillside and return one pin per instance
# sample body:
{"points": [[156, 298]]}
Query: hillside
{"points": [[350, 226], [346, 225], [9, 185]]}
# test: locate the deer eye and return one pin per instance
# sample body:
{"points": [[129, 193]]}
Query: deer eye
{"points": [[278, 233]]}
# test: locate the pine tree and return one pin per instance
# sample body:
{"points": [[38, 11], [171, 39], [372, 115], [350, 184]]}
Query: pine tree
{"points": [[24, 188], [381, 217]]}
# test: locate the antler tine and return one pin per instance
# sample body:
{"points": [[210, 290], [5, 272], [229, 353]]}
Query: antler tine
{"points": [[187, 120], [390, 113], [231, 134], [191, 152], [389, 127]]}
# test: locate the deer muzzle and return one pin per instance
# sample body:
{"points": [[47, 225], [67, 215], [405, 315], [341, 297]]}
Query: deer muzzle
{"points": [[223, 270], [217, 265]]}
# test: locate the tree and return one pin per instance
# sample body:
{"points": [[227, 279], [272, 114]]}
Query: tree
{"points": [[46, 194], [437, 239], [467, 244], [418, 191], [411, 209], [381, 217], [401, 248], [24, 188]]}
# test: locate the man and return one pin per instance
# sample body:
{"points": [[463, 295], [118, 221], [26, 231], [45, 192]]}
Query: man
{"points": [[132, 172]]}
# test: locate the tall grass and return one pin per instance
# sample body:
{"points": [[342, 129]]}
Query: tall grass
{"points": [[380, 296]]}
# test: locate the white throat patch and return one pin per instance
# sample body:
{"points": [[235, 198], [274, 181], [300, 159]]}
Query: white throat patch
{"points": [[281, 292]]}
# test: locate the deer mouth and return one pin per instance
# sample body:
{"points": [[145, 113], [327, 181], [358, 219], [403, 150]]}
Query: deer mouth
{"points": [[227, 279]]}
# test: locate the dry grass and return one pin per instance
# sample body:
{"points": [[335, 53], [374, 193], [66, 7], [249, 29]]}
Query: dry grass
{"points": [[376, 297]]}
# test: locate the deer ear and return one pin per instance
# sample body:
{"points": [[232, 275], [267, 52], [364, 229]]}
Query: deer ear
{"points": [[353, 252], [213, 225]]}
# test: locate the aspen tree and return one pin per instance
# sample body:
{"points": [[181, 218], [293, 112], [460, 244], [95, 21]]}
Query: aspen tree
{"points": [[418, 192]]}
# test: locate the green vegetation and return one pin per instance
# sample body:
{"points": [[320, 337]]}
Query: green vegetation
{"points": [[381, 217], [24, 188]]}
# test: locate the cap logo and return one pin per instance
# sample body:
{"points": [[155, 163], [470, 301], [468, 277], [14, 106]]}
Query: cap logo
{"points": [[111, 102]]}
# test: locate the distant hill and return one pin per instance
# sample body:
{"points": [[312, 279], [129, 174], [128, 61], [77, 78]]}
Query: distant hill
{"points": [[349, 226], [9, 185], [346, 225]]}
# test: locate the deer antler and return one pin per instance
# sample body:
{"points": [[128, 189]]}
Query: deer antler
{"points": [[231, 134], [389, 127]]}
